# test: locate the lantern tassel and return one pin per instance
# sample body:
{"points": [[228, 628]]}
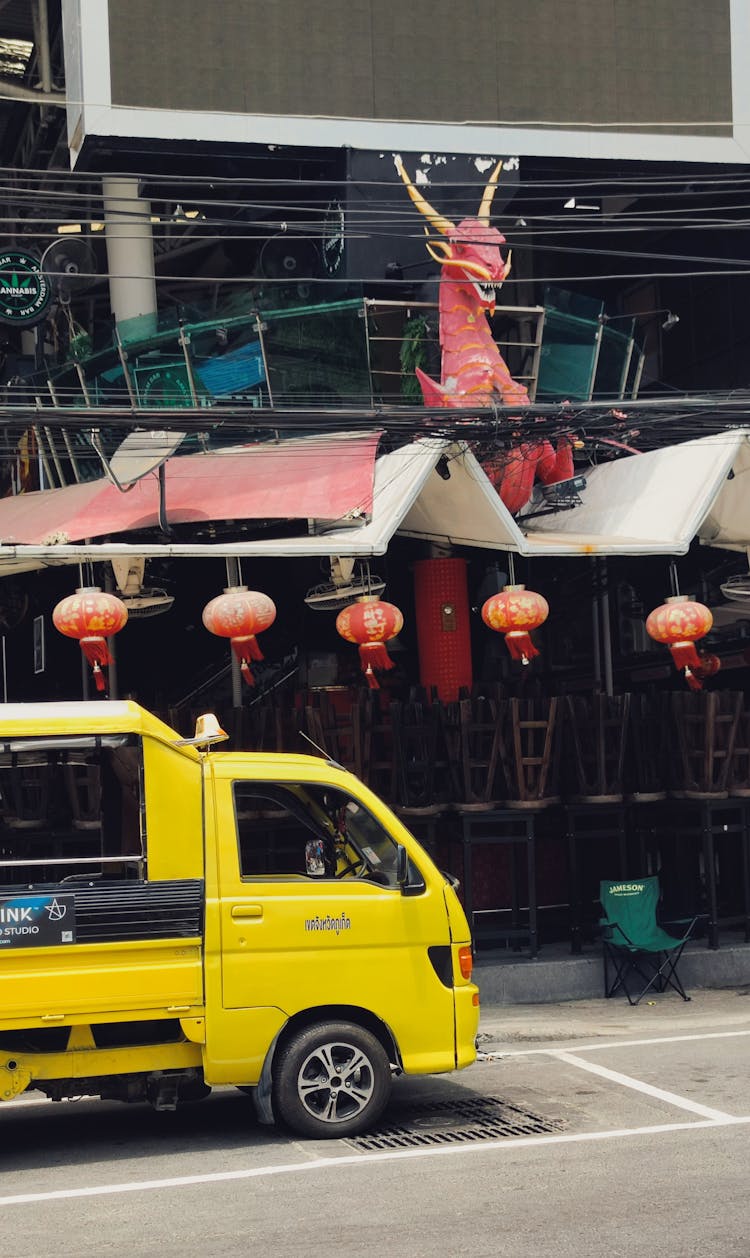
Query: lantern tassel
{"points": [[246, 673], [97, 653], [374, 655], [685, 655], [693, 679], [519, 643], [99, 679], [246, 648]]}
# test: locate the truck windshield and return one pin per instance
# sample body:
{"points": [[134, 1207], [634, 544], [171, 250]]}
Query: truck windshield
{"points": [[313, 831]]}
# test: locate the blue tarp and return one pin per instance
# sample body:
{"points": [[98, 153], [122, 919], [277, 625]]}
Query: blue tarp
{"points": [[233, 372]]}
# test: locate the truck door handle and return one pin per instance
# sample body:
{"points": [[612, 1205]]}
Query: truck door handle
{"points": [[247, 910]]}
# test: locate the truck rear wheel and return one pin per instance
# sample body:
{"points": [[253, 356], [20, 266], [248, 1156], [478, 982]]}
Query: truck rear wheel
{"points": [[331, 1080]]}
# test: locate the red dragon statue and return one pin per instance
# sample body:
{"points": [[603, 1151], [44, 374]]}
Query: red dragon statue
{"points": [[473, 369]]}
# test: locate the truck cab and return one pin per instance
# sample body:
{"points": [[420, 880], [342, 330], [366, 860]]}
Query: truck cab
{"points": [[175, 918]]}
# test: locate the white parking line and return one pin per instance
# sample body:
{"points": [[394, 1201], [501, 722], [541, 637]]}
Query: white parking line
{"points": [[334, 1164], [662, 1039], [599, 1045], [637, 1085]]}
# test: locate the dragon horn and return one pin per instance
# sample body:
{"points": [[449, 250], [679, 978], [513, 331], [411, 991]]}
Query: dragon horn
{"points": [[489, 192], [441, 224]]}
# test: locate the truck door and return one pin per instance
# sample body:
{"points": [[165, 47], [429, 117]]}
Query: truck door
{"points": [[312, 913]]}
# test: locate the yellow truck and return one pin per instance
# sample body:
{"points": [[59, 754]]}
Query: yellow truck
{"points": [[174, 918]]}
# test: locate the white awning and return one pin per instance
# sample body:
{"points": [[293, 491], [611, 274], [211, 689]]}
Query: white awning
{"points": [[727, 521], [646, 504], [655, 503]]}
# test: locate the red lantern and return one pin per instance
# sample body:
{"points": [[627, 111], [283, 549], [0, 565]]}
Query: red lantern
{"points": [[515, 611], [91, 616], [679, 623], [239, 614], [371, 623]]}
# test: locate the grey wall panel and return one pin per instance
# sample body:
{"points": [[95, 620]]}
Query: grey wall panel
{"points": [[621, 62], [243, 56], [430, 64]]}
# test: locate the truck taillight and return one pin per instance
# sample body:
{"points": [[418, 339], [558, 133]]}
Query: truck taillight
{"points": [[465, 962]]}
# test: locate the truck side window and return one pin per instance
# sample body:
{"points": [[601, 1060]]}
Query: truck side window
{"points": [[312, 831], [71, 808], [278, 834]]}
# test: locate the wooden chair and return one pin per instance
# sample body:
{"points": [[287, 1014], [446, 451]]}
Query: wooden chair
{"points": [[647, 760], [476, 741], [274, 725], [530, 751], [704, 732], [25, 789], [424, 775], [378, 755], [337, 729], [415, 744], [83, 786], [596, 732], [739, 768]]}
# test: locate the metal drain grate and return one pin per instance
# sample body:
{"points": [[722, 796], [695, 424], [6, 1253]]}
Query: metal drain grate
{"points": [[456, 1122]]}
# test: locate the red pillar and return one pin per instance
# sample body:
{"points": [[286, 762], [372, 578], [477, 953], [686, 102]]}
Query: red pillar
{"points": [[443, 630]]}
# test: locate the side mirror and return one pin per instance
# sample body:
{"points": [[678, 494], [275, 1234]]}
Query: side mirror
{"points": [[402, 866], [408, 877]]}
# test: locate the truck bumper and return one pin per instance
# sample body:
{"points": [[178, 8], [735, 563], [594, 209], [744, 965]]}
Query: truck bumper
{"points": [[467, 1024]]}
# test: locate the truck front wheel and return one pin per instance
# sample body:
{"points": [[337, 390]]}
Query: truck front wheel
{"points": [[331, 1080]]}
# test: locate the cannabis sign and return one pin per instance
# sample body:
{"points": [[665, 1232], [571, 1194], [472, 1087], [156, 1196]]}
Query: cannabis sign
{"points": [[25, 291]]}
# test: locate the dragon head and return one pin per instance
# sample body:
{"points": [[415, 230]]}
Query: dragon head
{"points": [[472, 251]]}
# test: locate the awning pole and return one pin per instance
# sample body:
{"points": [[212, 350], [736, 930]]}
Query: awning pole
{"points": [[55, 456], [606, 629], [85, 678], [673, 578], [260, 328], [595, 632], [43, 460], [233, 579], [184, 339], [112, 688], [363, 316], [124, 364]]}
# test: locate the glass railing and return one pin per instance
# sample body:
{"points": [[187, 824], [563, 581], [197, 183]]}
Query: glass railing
{"points": [[352, 352]]}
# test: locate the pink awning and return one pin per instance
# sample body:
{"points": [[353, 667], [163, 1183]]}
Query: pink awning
{"points": [[319, 478]]}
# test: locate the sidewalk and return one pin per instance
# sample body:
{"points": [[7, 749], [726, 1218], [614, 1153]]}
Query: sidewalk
{"points": [[509, 978], [667, 1014]]}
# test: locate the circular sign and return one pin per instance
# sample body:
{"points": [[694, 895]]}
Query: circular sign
{"points": [[25, 291]]}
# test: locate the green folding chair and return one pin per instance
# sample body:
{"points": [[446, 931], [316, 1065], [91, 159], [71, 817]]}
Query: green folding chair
{"points": [[638, 953]]}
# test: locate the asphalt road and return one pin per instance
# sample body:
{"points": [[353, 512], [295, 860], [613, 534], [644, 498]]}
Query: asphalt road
{"points": [[627, 1132]]}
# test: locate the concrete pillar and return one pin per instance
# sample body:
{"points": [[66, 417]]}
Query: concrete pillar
{"points": [[130, 251]]}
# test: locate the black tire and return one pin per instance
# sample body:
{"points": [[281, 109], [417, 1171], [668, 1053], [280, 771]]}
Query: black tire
{"points": [[331, 1080]]}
